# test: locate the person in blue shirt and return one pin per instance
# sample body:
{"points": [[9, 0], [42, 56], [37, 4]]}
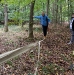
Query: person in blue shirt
{"points": [[44, 20]]}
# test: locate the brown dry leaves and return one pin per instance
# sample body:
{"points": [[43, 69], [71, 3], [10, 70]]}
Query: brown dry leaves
{"points": [[55, 55]]}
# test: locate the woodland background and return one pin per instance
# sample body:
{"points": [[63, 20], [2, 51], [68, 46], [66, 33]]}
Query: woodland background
{"points": [[18, 29]]}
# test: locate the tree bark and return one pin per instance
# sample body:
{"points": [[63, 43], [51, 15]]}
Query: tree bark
{"points": [[31, 20], [43, 6], [53, 13], [61, 13], [71, 8], [48, 7], [5, 19], [68, 10], [56, 10]]}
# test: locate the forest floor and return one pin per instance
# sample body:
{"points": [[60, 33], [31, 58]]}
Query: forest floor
{"points": [[56, 55]]}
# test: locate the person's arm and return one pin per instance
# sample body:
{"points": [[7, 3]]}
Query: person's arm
{"points": [[38, 17], [48, 20]]}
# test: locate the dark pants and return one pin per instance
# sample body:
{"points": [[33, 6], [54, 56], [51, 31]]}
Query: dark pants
{"points": [[45, 30]]}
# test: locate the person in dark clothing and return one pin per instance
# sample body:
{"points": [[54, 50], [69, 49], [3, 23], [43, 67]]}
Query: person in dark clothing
{"points": [[72, 29], [44, 20]]}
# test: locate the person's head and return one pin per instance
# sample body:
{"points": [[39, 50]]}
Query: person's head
{"points": [[72, 14], [43, 13]]}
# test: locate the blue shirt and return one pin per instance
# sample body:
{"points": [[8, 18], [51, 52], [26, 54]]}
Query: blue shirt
{"points": [[43, 20]]}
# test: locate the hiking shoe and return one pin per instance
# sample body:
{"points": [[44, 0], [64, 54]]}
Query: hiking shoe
{"points": [[69, 43]]}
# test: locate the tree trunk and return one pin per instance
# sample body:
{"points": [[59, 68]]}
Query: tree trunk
{"points": [[68, 10], [56, 10], [48, 7], [31, 20], [53, 13], [19, 17], [61, 13], [43, 6], [5, 19], [71, 8]]}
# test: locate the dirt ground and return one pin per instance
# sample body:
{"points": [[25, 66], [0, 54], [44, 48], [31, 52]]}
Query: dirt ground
{"points": [[56, 55]]}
